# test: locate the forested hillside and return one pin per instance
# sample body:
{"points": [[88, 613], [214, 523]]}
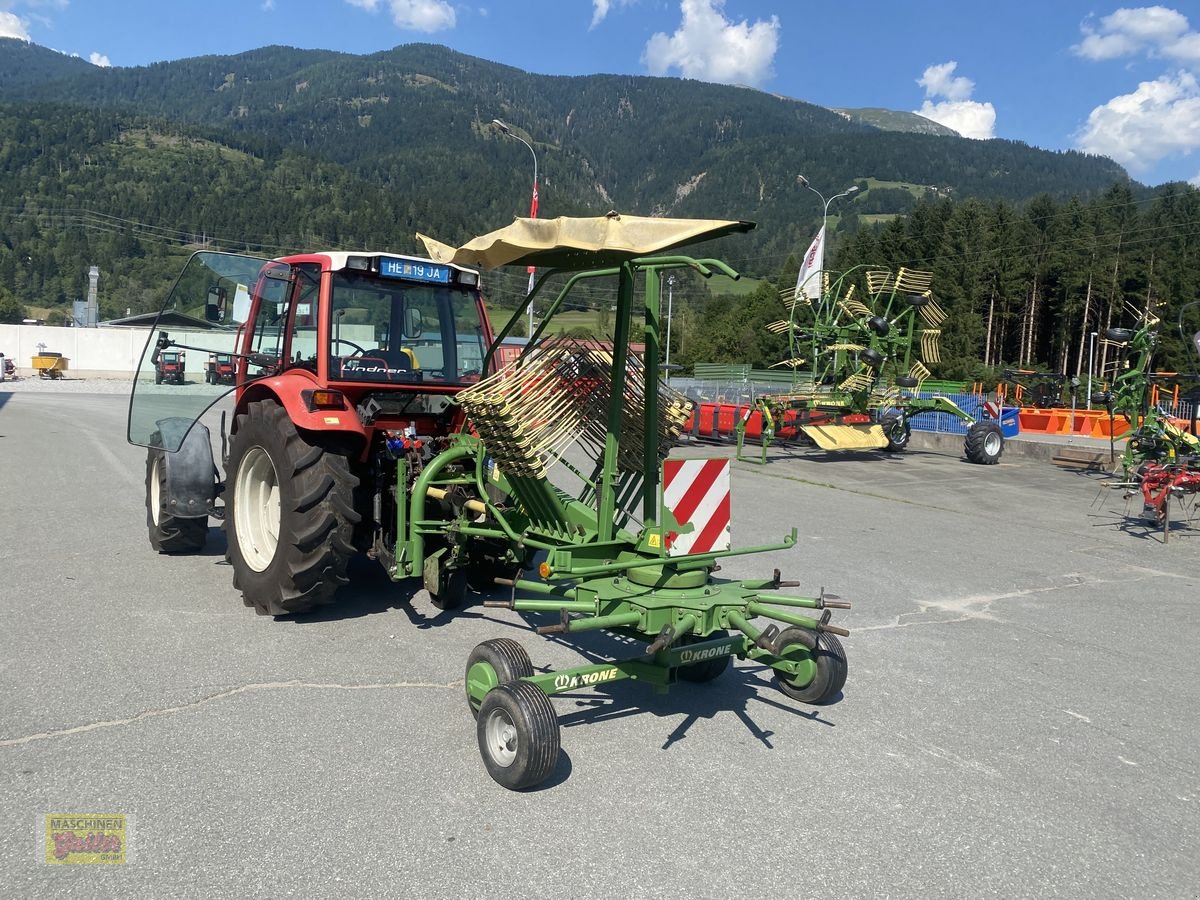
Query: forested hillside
{"points": [[281, 149]]}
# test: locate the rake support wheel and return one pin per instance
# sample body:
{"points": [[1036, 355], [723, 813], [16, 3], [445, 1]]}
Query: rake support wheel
{"points": [[518, 735]]}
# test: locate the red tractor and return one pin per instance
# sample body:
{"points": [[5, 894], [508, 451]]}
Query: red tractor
{"points": [[169, 367], [343, 424], [220, 369]]}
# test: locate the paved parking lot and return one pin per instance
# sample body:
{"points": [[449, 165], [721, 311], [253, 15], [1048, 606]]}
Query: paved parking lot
{"points": [[1020, 716]]}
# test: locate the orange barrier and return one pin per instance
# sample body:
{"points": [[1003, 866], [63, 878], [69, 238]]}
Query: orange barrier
{"points": [[1086, 423]]}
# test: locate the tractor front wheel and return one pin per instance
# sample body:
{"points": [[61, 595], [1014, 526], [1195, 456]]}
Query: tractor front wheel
{"points": [[984, 443], [829, 657], [518, 735], [168, 533], [291, 517]]}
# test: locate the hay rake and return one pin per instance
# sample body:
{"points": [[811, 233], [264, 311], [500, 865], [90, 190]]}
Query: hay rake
{"points": [[860, 359], [651, 580], [1161, 459]]}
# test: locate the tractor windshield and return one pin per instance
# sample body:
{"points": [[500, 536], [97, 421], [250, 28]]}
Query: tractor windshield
{"points": [[202, 315], [396, 331]]}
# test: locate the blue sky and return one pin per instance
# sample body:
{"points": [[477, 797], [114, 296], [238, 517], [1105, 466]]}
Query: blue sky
{"points": [[1123, 81]]}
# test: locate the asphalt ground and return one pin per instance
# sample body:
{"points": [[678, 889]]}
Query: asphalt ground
{"points": [[1020, 717]]}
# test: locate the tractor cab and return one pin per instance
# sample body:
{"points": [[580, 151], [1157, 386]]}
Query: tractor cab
{"points": [[345, 342]]}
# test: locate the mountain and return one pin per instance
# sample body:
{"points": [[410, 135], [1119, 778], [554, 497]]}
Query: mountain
{"points": [[294, 149], [895, 120], [23, 64]]}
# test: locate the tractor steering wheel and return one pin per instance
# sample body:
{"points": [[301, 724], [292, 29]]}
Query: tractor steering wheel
{"points": [[360, 351]]}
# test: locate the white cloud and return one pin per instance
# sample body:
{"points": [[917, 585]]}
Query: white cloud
{"points": [[599, 11], [709, 47], [1159, 119], [414, 15], [1154, 30], [1195, 182], [99, 59], [12, 26], [601, 8], [938, 81], [268, 6], [956, 110]]}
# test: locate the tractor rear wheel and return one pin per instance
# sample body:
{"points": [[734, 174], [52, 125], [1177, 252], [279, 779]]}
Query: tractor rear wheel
{"points": [[508, 661], [290, 518], [984, 443], [518, 735], [168, 533], [831, 665]]}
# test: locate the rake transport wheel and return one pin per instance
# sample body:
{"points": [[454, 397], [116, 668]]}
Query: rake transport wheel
{"points": [[984, 443], [830, 659], [518, 735], [168, 533], [897, 432], [507, 659], [700, 672], [290, 518]]}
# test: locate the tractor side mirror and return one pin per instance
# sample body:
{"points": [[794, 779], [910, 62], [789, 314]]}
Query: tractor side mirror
{"points": [[414, 323], [214, 306], [1196, 341]]}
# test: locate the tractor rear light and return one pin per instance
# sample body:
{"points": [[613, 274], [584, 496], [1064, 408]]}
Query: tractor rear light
{"points": [[468, 278], [323, 399], [358, 263]]}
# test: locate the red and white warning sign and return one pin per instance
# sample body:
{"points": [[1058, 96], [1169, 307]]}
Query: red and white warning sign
{"points": [[696, 492]]}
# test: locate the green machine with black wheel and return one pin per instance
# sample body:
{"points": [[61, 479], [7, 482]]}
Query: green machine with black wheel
{"points": [[635, 550], [860, 350]]}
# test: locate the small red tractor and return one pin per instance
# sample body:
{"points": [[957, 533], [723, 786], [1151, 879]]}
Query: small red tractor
{"points": [[169, 367], [347, 368], [220, 369]]}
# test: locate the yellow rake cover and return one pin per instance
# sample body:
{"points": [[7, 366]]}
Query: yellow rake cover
{"points": [[846, 437]]}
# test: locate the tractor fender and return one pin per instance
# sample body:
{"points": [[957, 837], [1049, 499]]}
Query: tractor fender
{"points": [[191, 475], [288, 392]]}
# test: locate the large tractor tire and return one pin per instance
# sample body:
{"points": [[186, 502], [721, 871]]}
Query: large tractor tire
{"points": [[984, 443], [290, 518], [169, 533]]}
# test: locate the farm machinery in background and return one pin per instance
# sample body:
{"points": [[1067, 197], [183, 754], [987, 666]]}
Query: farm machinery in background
{"points": [[860, 352], [1161, 458], [169, 367], [369, 416], [220, 369]]}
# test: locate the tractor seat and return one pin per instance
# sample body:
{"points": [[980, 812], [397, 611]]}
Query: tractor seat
{"points": [[401, 359]]}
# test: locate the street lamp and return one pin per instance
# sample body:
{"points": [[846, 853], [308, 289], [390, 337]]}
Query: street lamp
{"points": [[1091, 364], [824, 220], [533, 205], [825, 213], [670, 297]]}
